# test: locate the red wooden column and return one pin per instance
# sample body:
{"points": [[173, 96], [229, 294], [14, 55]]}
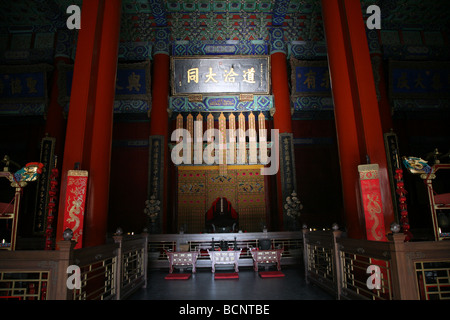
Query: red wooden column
{"points": [[282, 118], [159, 121], [55, 125], [81, 100], [159, 126], [357, 114], [383, 100], [89, 124], [99, 158]]}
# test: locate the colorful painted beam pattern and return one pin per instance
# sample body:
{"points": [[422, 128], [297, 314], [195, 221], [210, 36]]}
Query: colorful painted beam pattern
{"points": [[222, 104]]}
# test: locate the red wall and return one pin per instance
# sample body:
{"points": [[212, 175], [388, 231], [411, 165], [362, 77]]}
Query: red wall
{"points": [[129, 178], [317, 173]]}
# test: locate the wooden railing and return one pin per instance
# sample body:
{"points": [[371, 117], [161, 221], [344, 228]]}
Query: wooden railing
{"points": [[406, 270], [291, 242], [107, 272]]}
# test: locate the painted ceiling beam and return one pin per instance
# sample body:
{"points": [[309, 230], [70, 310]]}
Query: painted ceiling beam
{"points": [[159, 12], [279, 12]]}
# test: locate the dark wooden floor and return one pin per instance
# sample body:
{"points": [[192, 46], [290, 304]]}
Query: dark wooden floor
{"points": [[249, 286]]}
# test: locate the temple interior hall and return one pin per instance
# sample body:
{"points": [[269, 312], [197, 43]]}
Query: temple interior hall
{"points": [[183, 150]]}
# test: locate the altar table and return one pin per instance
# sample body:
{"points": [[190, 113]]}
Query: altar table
{"points": [[225, 257], [182, 258], [267, 256]]}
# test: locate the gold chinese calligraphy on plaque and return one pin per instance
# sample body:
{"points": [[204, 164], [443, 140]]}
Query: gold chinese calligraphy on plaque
{"points": [[220, 75]]}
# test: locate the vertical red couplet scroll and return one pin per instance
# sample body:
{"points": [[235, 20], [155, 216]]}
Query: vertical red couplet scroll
{"points": [[75, 204], [373, 215], [371, 200]]}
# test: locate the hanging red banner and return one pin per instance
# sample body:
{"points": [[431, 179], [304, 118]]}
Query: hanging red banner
{"points": [[371, 199], [75, 203]]}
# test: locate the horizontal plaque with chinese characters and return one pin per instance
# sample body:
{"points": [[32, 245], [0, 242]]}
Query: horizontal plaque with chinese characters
{"points": [[419, 79], [220, 75], [310, 78], [24, 84], [133, 82]]}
